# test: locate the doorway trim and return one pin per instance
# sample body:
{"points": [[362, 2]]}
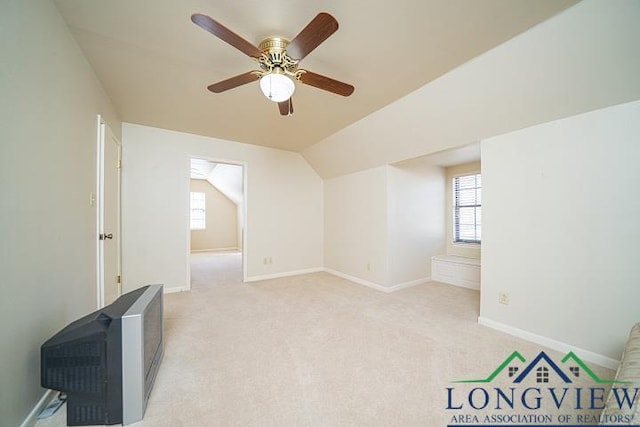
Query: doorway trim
{"points": [[245, 203], [97, 199]]}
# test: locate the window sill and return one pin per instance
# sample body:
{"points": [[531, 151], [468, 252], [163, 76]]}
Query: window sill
{"points": [[466, 244]]}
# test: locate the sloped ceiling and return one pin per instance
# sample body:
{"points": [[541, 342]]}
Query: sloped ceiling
{"points": [[227, 178], [155, 64], [581, 60]]}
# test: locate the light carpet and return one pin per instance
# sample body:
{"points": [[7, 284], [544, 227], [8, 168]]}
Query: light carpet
{"points": [[318, 350]]}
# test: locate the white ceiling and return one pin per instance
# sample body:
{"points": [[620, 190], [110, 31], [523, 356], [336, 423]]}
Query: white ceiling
{"points": [[445, 158], [155, 64]]}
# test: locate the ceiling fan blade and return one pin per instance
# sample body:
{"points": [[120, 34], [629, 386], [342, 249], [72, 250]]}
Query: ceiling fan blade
{"points": [[232, 82], [223, 33], [311, 36], [326, 83], [286, 107]]}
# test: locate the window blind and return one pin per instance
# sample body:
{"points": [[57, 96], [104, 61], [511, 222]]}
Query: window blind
{"points": [[467, 209]]}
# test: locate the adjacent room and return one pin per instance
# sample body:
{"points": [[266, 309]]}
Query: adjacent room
{"points": [[360, 213], [216, 221]]}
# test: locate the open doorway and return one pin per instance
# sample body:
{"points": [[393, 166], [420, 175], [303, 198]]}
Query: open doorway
{"points": [[216, 222]]}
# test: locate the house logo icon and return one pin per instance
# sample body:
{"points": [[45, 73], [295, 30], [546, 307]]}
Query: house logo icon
{"points": [[543, 367], [538, 392]]}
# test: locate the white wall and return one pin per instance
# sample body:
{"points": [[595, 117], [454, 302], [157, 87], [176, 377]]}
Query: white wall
{"points": [[580, 60], [356, 225], [383, 225], [561, 230], [416, 222], [284, 206], [50, 99]]}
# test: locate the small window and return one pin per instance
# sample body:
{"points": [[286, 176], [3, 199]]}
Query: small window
{"points": [[575, 371], [467, 209], [542, 374], [198, 211]]}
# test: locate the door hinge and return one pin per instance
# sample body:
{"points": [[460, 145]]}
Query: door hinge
{"points": [[119, 164], [118, 279]]}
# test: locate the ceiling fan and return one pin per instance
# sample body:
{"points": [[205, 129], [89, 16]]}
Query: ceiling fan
{"points": [[278, 59]]}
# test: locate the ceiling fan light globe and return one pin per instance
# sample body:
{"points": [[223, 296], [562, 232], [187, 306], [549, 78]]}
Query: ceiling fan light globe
{"points": [[277, 87]]}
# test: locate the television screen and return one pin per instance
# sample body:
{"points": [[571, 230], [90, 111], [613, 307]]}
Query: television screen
{"points": [[152, 341], [153, 333]]}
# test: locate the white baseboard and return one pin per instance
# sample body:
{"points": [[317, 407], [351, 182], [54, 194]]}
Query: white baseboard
{"points": [[284, 274], [562, 347], [408, 284], [176, 289], [232, 249], [377, 287], [461, 283], [357, 280], [32, 418]]}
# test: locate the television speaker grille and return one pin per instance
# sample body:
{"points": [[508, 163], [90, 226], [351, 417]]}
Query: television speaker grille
{"points": [[77, 368]]}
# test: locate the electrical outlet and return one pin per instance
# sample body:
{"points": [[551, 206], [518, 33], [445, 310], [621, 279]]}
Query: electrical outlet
{"points": [[503, 298]]}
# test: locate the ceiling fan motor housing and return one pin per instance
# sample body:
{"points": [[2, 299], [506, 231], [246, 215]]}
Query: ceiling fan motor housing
{"points": [[274, 55]]}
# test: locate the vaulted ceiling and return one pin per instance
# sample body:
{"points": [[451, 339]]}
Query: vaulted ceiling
{"points": [[155, 64]]}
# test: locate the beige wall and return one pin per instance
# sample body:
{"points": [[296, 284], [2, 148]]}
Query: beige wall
{"points": [[468, 250], [221, 232], [50, 99]]}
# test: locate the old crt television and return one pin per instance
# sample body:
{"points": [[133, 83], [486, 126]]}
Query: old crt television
{"points": [[106, 362]]}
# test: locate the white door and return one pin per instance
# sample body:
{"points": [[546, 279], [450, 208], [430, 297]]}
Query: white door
{"points": [[109, 276]]}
